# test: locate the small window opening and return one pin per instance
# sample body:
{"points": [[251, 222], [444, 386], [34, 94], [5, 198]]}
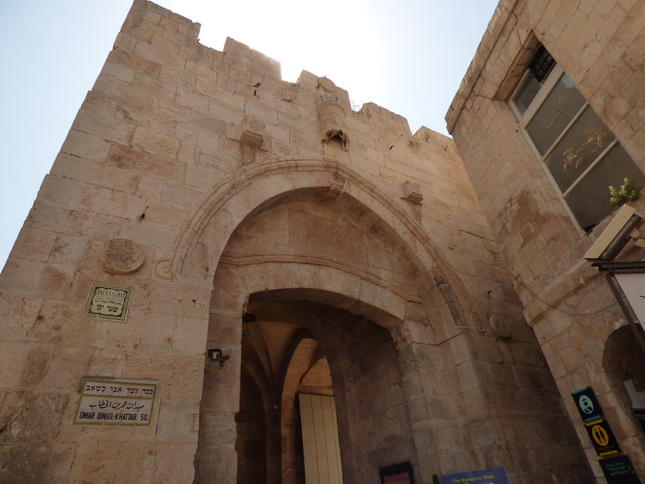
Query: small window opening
{"points": [[541, 64]]}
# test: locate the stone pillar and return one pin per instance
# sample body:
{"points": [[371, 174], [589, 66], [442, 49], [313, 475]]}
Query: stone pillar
{"points": [[216, 458]]}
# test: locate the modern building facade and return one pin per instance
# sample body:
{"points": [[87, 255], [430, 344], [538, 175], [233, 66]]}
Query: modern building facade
{"points": [[227, 277]]}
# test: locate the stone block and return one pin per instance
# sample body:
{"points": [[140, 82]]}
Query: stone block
{"points": [[142, 462], [107, 201], [56, 189], [66, 366], [192, 100], [136, 63], [145, 163], [33, 418], [153, 142], [80, 169], [189, 335], [55, 323], [166, 55], [33, 244], [180, 375], [95, 461], [85, 146], [33, 278], [35, 463], [106, 362], [104, 123], [120, 72], [176, 462], [176, 420]]}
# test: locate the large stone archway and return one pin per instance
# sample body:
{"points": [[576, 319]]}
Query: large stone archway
{"points": [[255, 189], [295, 259], [622, 361], [364, 377]]}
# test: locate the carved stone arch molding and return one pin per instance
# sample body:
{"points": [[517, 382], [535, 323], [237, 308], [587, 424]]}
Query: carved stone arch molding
{"points": [[326, 286], [251, 189]]}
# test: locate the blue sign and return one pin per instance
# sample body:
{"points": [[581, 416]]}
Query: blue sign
{"points": [[488, 476]]}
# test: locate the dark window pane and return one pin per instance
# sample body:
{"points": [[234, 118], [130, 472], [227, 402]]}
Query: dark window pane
{"points": [[559, 108], [584, 142], [526, 93], [541, 64], [589, 201]]}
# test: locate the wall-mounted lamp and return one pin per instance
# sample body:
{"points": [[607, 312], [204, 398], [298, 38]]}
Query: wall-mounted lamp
{"points": [[216, 356]]}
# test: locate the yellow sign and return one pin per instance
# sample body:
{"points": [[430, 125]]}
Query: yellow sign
{"points": [[602, 438], [600, 435]]}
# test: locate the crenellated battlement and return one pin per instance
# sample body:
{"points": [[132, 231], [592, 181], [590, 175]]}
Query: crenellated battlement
{"points": [[159, 44]]}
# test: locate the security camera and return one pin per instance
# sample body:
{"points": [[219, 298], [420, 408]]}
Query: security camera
{"points": [[612, 240]]}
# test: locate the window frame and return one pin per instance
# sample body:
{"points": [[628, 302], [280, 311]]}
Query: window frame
{"points": [[548, 84], [525, 119]]}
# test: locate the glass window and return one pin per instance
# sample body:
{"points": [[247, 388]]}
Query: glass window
{"points": [[582, 144], [526, 93], [558, 109], [589, 199], [578, 151]]}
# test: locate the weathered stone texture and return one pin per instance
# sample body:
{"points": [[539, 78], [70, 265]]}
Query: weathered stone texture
{"points": [[568, 304], [247, 202]]}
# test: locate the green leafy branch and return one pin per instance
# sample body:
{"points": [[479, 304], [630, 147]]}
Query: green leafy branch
{"points": [[626, 193]]}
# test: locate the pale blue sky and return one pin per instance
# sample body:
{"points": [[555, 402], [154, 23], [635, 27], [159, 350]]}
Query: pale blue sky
{"points": [[408, 56]]}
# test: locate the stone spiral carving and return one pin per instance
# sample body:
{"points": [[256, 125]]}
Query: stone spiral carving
{"points": [[163, 269]]}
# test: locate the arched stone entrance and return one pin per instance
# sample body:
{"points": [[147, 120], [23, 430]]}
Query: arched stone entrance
{"points": [[317, 349], [317, 258], [308, 371], [625, 366], [254, 190]]}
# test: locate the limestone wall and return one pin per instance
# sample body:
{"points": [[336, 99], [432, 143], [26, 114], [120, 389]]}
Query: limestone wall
{"points": [[181, 154], [599, 44]]}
